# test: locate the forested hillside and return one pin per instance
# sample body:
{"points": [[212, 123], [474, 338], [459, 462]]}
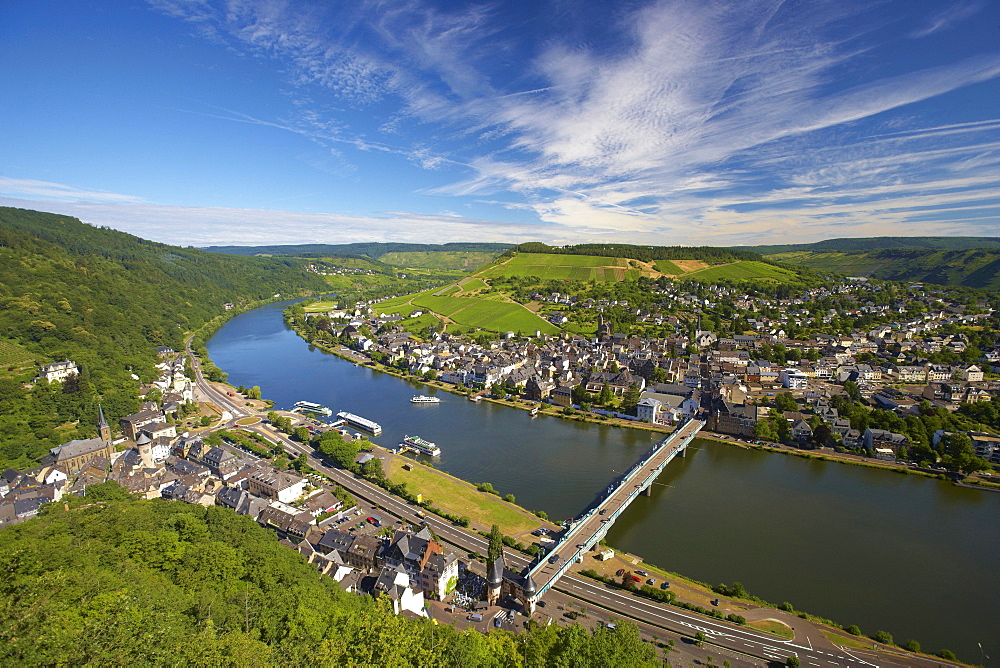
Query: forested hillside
{"points": [[167, 583], [973, 268], [104, 299]]}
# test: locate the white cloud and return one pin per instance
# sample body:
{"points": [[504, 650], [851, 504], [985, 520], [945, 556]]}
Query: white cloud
{"points": [[48, 190]]}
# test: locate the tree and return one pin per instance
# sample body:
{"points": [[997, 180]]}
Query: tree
{"points": [[792, 662], [107, 491], [302, 434], [631, 398], [580, 394], [606, 396], [372, 469], [765, 430], [495, 545], [786, 402], [509, 498]]}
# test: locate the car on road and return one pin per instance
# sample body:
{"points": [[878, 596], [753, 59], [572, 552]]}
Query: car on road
{"points": [[475, 617], [620, 572], [603, 510], [554, 558], [497, 621]]}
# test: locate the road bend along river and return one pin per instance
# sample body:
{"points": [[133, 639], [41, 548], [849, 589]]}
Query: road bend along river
{"points": [[913, 556]]}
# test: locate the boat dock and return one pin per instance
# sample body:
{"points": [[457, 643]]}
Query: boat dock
{"points": [[360, 422]]}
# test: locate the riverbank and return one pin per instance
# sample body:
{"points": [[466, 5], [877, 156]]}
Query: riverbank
{"points": [[591, 418], [521, 404], [826, 455]]}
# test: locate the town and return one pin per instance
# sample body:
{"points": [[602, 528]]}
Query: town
{"points": [[874, 394], [914, 359]]}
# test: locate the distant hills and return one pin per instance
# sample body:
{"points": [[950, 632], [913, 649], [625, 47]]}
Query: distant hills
{"points": [[850, 244], [373, 250], [972, 262]]}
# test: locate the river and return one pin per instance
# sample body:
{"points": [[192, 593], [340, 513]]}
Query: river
{"points": [[914, 556]]}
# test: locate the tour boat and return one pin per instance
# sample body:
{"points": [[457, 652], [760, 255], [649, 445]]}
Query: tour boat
{"points": [[421, 446], [423, 399]]}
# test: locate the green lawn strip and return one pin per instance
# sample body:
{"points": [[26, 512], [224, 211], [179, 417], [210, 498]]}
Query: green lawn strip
{"points": [[774, 627], [846, 640], [460, 498]]}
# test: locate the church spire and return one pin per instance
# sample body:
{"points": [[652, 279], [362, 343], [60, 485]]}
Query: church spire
{"points": [[103, 430]]}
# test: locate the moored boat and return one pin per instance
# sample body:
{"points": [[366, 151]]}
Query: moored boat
{"points": [[420, 446], [309, 408]]}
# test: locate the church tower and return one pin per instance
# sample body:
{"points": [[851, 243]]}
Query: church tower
{"points": [[103, 430]]}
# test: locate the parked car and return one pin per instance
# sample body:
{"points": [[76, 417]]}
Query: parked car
{"points": [[620, 572], [651, 581], [475, 617], [665, 585], [642, 573], [636, 578]]}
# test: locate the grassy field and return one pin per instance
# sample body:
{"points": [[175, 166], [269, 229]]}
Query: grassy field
{"points": [[13, 355], [668, 267], [564, 267], [486, 314], [473, 284], [459, 498], [774, 627], [460, 260], [743, 270]]}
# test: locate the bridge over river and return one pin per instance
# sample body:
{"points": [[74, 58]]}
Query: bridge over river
{"points": [[588, 530]]}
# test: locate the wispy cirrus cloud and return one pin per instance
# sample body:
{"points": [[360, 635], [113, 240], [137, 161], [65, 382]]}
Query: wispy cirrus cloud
{"points": [[947, 17], [685, 121]]}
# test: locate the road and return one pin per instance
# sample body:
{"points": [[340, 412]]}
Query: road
{"points": [[584, 590]]}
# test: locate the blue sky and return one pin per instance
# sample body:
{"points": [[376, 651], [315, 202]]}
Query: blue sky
{"points": [[682, 122]]}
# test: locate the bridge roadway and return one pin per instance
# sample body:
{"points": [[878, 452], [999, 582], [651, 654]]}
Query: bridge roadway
{"points": [[593, 526]]}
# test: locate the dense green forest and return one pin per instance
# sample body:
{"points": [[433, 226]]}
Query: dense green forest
{"points": [[710, 254], [104, 299], [126, 582], [374, 250], [850, 244]]}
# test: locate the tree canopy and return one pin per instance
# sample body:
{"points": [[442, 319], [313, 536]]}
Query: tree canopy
{"points": [[159, 582]]}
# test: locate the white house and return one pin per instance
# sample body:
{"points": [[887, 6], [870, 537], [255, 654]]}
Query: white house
{"points": [[57, 371]]}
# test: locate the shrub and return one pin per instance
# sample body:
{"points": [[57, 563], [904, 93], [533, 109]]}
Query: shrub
{"points": [[883, 637], [912, 646], [947, 655], [853, 630]]}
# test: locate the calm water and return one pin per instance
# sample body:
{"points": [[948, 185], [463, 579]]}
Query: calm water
{"points": [[913, 556]]}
